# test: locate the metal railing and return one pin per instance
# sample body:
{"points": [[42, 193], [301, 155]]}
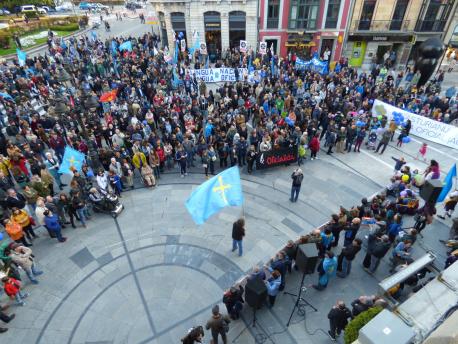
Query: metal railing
{"points": [[381, 25], [272, 23], [430, 25]]}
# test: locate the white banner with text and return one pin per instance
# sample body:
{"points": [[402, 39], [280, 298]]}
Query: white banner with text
{"points": [[426, 128]]}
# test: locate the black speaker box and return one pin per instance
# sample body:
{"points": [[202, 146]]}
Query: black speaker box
{"points": [[307, 258], [431, 190], [255, 293]]}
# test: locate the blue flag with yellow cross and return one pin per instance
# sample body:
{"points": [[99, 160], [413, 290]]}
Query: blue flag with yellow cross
{"points": [[73, 160], [224, 189]]}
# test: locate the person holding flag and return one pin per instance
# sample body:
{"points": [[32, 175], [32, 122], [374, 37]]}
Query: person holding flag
{"points": [[224, 189], [452, 199]]}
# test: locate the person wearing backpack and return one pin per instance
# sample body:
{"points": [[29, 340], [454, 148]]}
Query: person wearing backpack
{"points": [[297, 176], [218, 324]]}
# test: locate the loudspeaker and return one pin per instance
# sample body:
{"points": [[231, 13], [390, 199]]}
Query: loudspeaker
{"points": [[307, 258], [431, 190], [255, 293]]}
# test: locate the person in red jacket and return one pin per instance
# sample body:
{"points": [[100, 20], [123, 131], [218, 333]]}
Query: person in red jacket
{"points": [[12, 288], [314, 146]]}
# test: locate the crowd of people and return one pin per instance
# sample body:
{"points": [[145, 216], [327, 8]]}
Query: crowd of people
{"points": [[160, 116]]}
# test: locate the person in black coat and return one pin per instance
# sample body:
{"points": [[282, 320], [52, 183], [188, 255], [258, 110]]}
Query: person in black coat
{"points": [[338, 318], [346, 257], [233, 300], [238, 232], [15, 200]]}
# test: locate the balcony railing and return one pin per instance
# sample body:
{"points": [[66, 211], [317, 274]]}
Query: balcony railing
{"points": [[430, 25], [272, 23], [381, 25]]}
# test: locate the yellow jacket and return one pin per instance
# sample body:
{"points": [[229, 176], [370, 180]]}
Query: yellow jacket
{"points": [[136, 159], [22, 218]]}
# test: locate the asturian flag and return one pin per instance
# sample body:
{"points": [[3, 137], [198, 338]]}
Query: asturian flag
{"points": [[73, 160], [224, 189]]}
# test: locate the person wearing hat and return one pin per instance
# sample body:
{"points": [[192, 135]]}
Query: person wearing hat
{"points": [[218, 324]]}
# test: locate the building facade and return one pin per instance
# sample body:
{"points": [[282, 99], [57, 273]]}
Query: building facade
{"points": [[304, 26], [394, 26], [218, 23]]}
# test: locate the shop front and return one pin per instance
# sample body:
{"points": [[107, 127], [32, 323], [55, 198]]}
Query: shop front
{"points": [[364, 50], [300, 44]]}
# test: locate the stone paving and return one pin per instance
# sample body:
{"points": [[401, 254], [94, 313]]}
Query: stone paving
{"points": [[151, 274]]}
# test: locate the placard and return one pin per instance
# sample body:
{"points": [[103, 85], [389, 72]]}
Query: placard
{"points": [[263, 47], [203, 48], [243, 46], [183, 45]]}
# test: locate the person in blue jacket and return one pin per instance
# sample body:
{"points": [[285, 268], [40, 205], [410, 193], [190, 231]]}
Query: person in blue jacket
{"points": [[395, 227], [273, 285], [53, 225]]}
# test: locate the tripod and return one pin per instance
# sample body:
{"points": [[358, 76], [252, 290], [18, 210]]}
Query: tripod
{"points": [[298, 300]]}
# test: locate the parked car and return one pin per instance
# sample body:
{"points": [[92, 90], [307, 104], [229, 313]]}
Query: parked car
{"points": [[85, 6], [4, 12], [133, 5], [32, 8], [66, 6], [99, 6], [48, 9]]}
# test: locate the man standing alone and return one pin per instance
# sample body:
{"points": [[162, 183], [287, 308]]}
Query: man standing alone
{"points": [[297, 178], [238, 232]]}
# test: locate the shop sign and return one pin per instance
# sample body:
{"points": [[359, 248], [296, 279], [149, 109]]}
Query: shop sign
{"points": [[378, 38]]}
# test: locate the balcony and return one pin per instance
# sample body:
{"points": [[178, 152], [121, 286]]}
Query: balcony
{"points": [[430, 25], [380, 25], [272, 23]]}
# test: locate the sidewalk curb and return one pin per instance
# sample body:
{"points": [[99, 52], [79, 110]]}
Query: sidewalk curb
{"points": [[39, 47]]}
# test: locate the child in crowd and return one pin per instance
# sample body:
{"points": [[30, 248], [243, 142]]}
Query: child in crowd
{"points": [[399, 163], [422, 151], [12, 288]]}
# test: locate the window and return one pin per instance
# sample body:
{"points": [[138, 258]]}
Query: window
{"points": [[398, 14], [332, 15], [273, 11], [178, 21], [436, 15], [303, 14], [366, 14]]}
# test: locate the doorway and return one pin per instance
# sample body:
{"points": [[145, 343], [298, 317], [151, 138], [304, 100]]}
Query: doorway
{"points": [[381, 50], [212, 21], [269, 44], [327, 43], [236, 28]]}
